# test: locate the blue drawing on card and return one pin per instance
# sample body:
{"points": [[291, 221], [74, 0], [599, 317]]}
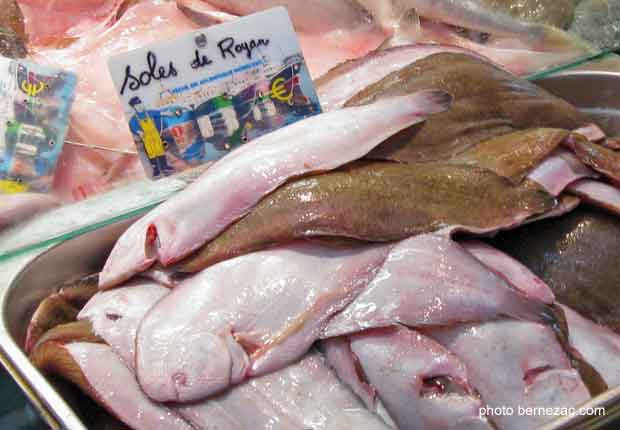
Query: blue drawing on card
{"points": [[34, 114]]}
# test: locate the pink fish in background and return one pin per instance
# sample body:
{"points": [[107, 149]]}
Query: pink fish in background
{"points": [[333, 32], [330, 32], [97, 116], [17, 207], [51, 21]]}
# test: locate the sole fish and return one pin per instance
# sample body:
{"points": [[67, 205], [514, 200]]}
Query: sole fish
{"points": [[598, 345], [510, 270], [247, 316], [488, 102], [115, 315], [317, 402], [577, 256], [598, 194], [514, 155], [515, 364], [103, 375], [476, 15], [346, 80], [18, 207], [559, 170], [236, 183], [428, 281], [377, 202], [422, 384]]}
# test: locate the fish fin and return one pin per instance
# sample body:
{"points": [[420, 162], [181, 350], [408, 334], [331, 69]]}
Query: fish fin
{"points": [[556, 320], [250, 342], [406, 31]]}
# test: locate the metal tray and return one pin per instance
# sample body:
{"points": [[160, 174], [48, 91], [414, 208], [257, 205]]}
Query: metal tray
{"points": [[25, 280], [61, 406]]}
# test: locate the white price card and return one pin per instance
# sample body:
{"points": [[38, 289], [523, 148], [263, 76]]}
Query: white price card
{"points": [[195, 98]]}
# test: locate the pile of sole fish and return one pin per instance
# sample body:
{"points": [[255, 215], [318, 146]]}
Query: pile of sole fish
{"points": [[331, 275], [368, 267], [80, 36]]}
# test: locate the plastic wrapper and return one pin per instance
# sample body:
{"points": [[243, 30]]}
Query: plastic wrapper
{"points": [[100, 154]]}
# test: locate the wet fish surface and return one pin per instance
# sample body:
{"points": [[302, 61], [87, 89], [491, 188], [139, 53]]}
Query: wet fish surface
{"points": [[429, 281], [256, 404], [532, 372], [316, 144], [422, 384], [248, 316], [377, 202], [488, 102], [598, 345], [99, 372], [576, 255]]}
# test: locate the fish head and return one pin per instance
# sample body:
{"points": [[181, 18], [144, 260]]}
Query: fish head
{"points": [[192, 367]]}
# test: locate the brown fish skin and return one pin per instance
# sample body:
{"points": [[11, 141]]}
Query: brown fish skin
{"points": [[79, 292], [52, 311], [12, 31], [60, 307], [11, 45], [488, 102], [577, 256], [51, 357], [600, 158], [76, 331], [592, 379], [11, 17], [376, 202], [513, 155]]}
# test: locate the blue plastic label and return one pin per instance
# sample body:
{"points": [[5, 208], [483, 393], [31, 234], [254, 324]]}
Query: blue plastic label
{"points": [[35, 102]]}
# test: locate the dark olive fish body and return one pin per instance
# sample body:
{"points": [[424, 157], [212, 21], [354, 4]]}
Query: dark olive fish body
{"points": [[600, 158], [376, 202], [577, 256], [488, 102], [514, 155]]}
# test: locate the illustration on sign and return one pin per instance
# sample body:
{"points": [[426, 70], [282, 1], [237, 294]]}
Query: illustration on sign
{"points": [[194, 99], [34, 116]]}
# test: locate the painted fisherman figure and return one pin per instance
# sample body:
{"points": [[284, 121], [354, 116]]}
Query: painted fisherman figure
{"points": [[148, 125]]}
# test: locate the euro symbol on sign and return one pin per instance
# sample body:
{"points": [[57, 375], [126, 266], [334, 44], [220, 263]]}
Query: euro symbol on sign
{"points": [[32, 90], [278, 91]]}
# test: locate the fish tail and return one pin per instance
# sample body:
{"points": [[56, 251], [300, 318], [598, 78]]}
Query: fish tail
{"points": [[429, 101], [555, 318]]}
